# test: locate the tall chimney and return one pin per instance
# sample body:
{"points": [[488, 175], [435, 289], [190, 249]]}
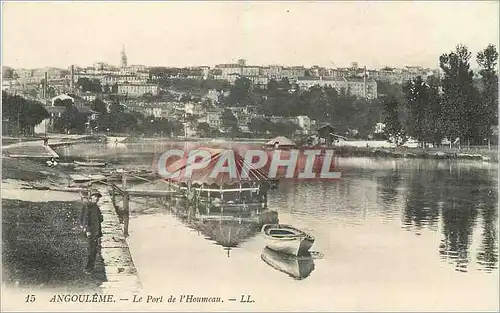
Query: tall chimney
{"points": [[72, 78], [45, 85], [364, 83]]}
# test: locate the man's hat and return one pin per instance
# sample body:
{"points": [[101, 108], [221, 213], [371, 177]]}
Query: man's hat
{"points": [[96, 193]]}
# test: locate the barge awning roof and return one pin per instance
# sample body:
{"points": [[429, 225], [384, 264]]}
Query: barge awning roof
{"points": [[243, 173]]}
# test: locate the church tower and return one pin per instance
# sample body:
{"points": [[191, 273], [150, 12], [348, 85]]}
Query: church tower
{"points": [[124, 58]]}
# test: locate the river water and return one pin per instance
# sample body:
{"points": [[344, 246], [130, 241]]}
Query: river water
{"points": [[392, 234]]}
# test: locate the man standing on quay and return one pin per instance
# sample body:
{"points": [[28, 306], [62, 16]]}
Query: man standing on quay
{"points": [[91, 222]]}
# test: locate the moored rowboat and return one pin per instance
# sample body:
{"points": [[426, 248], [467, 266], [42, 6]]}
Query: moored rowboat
{"points": [[287, 239]]}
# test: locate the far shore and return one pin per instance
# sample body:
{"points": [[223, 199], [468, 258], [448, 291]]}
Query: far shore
{"points": [[350, 148]]}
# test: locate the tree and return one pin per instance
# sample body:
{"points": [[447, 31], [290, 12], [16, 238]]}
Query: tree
{"points": [[257, 126], [114, 88], [33, 113], [240, 94], [417, 99], [487, 60], [388, 89], [106, 88], [203, 128], [22, 114], [63, 103], [7, 72], [460, 98], [285, 128], [435, 112], [99, 106], [71, 121], [92, 85], [394, 130], [229, 122], [51, 92]]}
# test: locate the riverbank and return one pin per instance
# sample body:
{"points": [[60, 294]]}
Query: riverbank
{"points": [[419, 153], [361, 148], [43, 247], [43, 244]]}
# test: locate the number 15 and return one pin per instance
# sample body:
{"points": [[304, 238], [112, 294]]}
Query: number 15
{"points": [[30, 298]]}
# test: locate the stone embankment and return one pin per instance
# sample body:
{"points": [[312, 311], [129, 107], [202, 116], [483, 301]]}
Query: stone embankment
{"points": [[121, 273]]}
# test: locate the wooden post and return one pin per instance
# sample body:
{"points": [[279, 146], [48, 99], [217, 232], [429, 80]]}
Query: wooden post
{"points": [[113, 201], [126, 213], [124, 181]]}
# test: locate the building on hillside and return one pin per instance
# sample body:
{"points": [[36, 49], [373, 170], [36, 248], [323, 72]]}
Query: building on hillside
{"points": [[156, 112], [56, 110], [78, 102], [336, 83], [293, 73], [271, 71], [362, 87], [213, 95], [88, 96], [250, 71], [9, 84], [215, 73], [231, 78], [213, 118], [111, 79], [137, 90], [318, 71], [260, 81], [229, 69], [359, 87], [304, 122]]}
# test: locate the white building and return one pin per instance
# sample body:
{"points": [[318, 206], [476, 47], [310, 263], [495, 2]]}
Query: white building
{"points": [[304, 122], [137, 90], [358, 87], [213, 95]]}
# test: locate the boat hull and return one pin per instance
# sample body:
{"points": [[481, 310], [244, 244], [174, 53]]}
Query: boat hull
{"points": [[298, 267], [287, 239]]}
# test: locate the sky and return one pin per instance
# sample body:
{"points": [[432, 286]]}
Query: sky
{"points": [[183, 33]]}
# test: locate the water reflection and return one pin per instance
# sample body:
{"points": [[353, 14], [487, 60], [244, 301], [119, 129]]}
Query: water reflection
{"points": [[421, 204], [488, 254], [458, 199], [458, 218], [298, 267], [228, 230], [454, 202], [228, 234]]}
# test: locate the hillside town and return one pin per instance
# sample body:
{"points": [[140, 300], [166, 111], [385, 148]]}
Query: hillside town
{"points": [[198, 101], [250, 156]]}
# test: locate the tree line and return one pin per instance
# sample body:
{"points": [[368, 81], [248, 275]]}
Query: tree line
{"points": [[347, 113], [117, 118], [20, 115], [452, 106]]}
